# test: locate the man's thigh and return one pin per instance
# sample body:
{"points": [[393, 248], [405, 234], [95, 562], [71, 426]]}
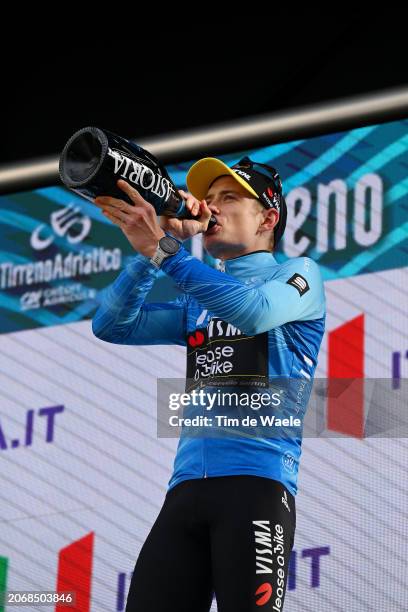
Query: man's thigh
{"points": [[173, 570], [252, 536]]}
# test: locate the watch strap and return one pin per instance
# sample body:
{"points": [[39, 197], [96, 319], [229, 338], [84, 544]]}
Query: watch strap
{"points": [[161, 255]]}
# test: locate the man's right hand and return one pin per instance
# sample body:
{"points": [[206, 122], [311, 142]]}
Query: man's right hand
{"points": [[185, 228]]}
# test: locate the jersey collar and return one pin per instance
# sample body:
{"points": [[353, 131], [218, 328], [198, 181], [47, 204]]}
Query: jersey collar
{"points": [[249, 265]]}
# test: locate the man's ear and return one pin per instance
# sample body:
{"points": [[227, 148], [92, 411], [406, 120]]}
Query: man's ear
{"points": [[271, 218]]}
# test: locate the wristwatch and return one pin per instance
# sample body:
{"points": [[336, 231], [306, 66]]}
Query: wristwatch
{"points": [[167, 246]]}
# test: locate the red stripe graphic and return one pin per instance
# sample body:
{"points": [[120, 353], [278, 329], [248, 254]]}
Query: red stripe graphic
{"points": [[345, 402], [75, 572]]}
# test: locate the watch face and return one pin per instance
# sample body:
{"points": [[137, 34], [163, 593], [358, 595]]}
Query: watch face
{"points": [[169, 245]]}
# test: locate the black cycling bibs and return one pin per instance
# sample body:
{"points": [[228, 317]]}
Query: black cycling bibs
{"points": [[230, 536]]}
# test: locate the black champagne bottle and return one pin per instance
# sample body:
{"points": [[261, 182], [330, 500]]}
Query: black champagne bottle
{"points": [[94, 159]]}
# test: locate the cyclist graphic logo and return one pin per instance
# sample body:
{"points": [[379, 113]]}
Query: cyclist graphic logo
{"points": [[61, 223]]}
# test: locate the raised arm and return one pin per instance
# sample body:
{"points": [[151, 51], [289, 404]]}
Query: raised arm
{"points": [[252, 309], [124, 318]]}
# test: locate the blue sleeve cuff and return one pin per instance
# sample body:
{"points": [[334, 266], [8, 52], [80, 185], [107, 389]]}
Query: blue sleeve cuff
{"points": [[170, 262]]}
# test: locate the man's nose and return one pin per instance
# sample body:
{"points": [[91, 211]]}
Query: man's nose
{"points": [[214, 208]]}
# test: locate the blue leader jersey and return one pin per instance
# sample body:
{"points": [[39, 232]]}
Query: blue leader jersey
{"points": [[276, 316]]}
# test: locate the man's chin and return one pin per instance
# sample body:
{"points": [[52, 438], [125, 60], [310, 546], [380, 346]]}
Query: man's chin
{"points": [[215, 244], [211, 245]]}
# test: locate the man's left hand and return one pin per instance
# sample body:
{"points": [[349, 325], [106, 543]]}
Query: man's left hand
{"points": [[139, 223]]}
